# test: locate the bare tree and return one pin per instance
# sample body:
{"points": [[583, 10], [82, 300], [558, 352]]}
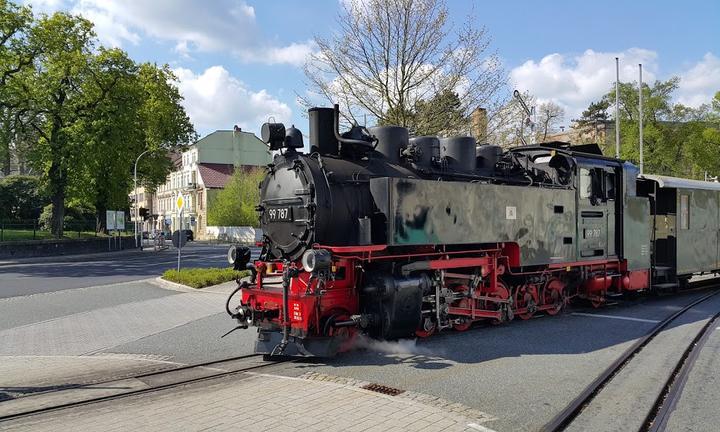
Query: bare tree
{"points": [[510, 123], [550, 115], [388, 55]]}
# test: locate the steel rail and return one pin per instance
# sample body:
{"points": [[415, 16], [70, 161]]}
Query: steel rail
{"points": [[575, 407], [657, 420], [130, 393]]}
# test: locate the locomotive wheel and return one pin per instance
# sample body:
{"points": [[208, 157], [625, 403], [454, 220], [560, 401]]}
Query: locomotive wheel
{"points": [[525, 298], [345, 334], [465, 323], [502, 293], [427, 328], [554, 294], [598, 300]]}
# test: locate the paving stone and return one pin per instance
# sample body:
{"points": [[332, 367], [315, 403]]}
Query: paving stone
{"points": [[219, 405]]}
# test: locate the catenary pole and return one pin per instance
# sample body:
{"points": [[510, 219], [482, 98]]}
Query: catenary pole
{"points": [[617, 108], [642, 160]]}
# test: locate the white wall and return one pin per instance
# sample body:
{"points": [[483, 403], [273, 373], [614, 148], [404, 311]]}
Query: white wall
{"points": [[234, 233]]}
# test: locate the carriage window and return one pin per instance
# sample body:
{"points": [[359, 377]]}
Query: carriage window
{"points": [[585, 183], [684, 212]]}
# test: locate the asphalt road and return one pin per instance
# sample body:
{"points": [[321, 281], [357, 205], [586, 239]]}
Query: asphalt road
{"points": [[51, 274], [521, 373]]}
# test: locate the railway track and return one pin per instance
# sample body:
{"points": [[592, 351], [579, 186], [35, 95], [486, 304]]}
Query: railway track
{"points": [[148, 382], [666, 400]]}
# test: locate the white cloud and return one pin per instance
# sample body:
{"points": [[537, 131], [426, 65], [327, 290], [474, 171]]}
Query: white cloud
{"points": [[699, 83], [575, 82], [214, 99], [226, 26]]}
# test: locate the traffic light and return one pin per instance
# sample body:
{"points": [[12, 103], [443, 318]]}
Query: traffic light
{"points": [[144, 213]]}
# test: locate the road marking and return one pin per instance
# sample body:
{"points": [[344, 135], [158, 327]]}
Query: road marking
{"points": [[616, 317], [479, 427]]}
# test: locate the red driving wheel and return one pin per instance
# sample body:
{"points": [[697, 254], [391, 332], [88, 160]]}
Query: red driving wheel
{"points": [[554, 294], [464, 323]]}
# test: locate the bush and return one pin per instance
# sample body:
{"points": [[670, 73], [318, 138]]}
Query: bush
{"points": [[202, 277]]}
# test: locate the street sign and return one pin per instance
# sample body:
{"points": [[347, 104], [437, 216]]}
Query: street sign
{"points": [[179, 238], [120, 220], [192, 220], [110, 220], [179, 202]]}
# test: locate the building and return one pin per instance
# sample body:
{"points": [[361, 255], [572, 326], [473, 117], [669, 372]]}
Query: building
{"points": [[200, 172]]}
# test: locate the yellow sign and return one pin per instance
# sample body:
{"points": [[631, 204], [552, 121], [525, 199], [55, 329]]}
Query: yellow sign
{"points": [[179, 202]]}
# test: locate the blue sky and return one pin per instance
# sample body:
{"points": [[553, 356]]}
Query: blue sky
{"points": [[240, 61]]}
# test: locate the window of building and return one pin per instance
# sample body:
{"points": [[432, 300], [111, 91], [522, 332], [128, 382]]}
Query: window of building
{"points": [[684, 212]]}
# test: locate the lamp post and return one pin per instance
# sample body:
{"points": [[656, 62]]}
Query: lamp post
{"points": [[137, 208]]}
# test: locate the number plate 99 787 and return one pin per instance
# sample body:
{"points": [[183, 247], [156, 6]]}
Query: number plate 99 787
{"points": [[279, 214]]}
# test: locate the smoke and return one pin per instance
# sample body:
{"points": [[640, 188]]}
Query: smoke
{"points": [[402, 346]]}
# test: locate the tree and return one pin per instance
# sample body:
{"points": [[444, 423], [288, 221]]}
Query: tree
{"points": [[677, 140], [550, 115], [86, 112], [235, 205], [441, 115], [21, 198], [391, 56], [16, 57], [510, 122]]}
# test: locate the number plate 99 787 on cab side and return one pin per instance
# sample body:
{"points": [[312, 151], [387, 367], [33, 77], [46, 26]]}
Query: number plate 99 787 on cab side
{"points": [[279, 214]]}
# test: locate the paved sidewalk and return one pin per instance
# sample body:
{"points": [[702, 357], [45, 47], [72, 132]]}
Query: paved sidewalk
{"points": [[260, 402], [92, 331]]}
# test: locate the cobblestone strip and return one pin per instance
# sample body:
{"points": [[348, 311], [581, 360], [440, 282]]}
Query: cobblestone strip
{"points": [[425, 399]]}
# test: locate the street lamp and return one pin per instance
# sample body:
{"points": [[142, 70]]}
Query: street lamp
{"points": [[137, 208]]}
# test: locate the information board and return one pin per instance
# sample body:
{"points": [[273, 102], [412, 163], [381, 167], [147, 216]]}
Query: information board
{"points": [[110, 220], [120, 220]]}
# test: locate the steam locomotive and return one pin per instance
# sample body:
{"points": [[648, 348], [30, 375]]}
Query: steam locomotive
{"points": [[373, 232]]}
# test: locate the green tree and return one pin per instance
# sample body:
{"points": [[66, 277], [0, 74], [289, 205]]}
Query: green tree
{"points": [[235, 205], [675, 141], [16, 57], [442, 114], [21, 197], [703, 144], [87, 112]]}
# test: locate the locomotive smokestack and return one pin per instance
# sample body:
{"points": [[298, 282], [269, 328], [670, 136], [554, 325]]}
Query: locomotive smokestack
{"points": [[322, 131]]}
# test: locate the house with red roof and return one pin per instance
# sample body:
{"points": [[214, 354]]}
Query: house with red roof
{"points": [[201, 171]]}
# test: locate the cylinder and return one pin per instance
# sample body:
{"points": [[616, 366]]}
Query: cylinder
{"points": [[425, 150], [391, 141], [458, 153], [487, 157], [322, 133]]}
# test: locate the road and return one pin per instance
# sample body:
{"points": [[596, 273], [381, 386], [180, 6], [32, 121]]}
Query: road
{"points": [[42, 275]]}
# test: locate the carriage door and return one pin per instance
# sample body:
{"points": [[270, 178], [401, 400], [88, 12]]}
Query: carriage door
{"points": [[593, 214]]}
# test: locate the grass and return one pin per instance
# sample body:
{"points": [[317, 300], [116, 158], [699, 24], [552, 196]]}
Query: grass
{"points": [[9, 235], [202, 277]]}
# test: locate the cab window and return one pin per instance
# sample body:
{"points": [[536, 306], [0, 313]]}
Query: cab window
{"points": [[585, 183]]}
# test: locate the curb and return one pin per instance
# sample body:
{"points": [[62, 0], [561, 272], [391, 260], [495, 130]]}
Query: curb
{"points": [[70, 257], [174, 286]]}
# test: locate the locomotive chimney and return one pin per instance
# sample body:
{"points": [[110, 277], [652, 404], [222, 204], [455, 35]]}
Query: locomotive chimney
{"points": [[322, 132]]}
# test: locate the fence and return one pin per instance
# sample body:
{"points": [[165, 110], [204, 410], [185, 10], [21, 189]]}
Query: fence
{"points": [[32, 230], [233, 234]]}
